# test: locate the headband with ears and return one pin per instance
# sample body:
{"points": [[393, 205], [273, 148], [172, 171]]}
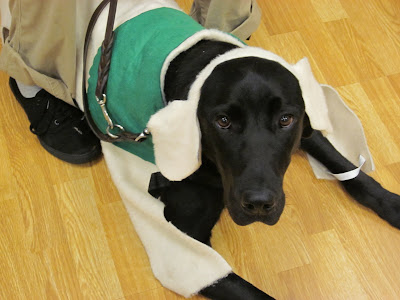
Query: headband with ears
{"points": [[176, 131]]}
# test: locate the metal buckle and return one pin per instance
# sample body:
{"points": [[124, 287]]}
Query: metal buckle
{"points": [[143, 135], [114, 136], [102, 103]]}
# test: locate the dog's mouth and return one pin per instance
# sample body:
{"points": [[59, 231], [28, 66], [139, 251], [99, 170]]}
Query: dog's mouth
{"points": [[244, 213]]}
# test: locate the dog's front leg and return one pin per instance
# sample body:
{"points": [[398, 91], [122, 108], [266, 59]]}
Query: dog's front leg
{"points": [[233, 287], [194, 207], [363, 188]]}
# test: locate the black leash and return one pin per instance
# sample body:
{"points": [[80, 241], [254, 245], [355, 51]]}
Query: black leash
{"points": [[101, 87]]}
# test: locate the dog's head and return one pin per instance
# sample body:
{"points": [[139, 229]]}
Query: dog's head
{"points": [[246, 111], [252, 116]]}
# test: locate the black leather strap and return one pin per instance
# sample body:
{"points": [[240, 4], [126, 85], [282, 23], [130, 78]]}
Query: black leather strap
{"points": [[104, 68]]}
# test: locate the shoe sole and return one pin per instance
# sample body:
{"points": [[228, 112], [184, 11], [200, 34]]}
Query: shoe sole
{"points": [[73, 158], [70, 158]]}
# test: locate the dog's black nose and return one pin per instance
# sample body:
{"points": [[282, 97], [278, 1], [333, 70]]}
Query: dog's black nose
{"points": [[258, 202]]}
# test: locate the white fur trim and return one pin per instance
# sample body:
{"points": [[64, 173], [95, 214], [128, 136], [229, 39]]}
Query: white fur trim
{"points": [[206, 34], [181, 263]]}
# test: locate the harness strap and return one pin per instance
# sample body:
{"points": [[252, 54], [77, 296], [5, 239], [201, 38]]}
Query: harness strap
{"points": [[106, 51], [103, 71]]}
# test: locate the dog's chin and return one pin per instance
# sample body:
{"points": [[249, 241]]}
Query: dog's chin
{"points": [[244, 219]]}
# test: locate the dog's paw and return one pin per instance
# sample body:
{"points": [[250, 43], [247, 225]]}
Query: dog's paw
{"points": [[391, 208], [370, 193]]}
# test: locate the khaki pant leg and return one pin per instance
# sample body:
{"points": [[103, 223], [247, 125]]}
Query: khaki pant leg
{"points": [[240, 17], [40, 49]]}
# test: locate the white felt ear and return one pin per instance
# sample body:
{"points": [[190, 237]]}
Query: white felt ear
{"points": [[313, 96], [177, 139], [347, 135]]}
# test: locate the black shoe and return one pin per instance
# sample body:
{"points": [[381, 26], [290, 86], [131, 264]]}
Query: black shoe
{"points": [[61, 128]]}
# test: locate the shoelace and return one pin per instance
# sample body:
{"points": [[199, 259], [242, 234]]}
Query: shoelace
{"points": [[65, 116], [42, 122], [56, 116]]}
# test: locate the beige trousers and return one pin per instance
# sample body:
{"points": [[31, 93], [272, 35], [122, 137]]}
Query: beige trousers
{"points": [[40, 48], [43, 36], [240, 17]]}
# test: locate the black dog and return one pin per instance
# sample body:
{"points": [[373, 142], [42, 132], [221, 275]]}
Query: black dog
{"points": [[252, 119]]}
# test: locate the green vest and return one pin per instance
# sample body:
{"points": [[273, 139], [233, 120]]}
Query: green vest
{"points": [[140, 48]]}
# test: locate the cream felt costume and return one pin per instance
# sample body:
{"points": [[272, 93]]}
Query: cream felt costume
{"points": [[181, 263]]}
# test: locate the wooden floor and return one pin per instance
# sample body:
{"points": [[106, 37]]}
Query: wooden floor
{"points": [[64, 233]]}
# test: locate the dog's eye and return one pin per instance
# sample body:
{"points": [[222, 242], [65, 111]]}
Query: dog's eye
{"points": [[223, 122], [286, 120]]}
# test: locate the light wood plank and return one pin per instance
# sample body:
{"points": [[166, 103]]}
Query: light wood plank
{"points": [[329, 10], [87, 240]]}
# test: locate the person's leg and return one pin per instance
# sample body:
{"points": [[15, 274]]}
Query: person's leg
{"points": [[40, 54], [240, 17], [40, 48]]}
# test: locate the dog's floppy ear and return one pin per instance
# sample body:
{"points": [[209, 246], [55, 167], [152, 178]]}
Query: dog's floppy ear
{"points": [[313, 96], [328, 113], [307, 129], [177, 139]]}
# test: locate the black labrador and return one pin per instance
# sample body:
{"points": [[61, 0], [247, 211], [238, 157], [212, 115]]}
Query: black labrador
{"points": [[252, 119]]}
